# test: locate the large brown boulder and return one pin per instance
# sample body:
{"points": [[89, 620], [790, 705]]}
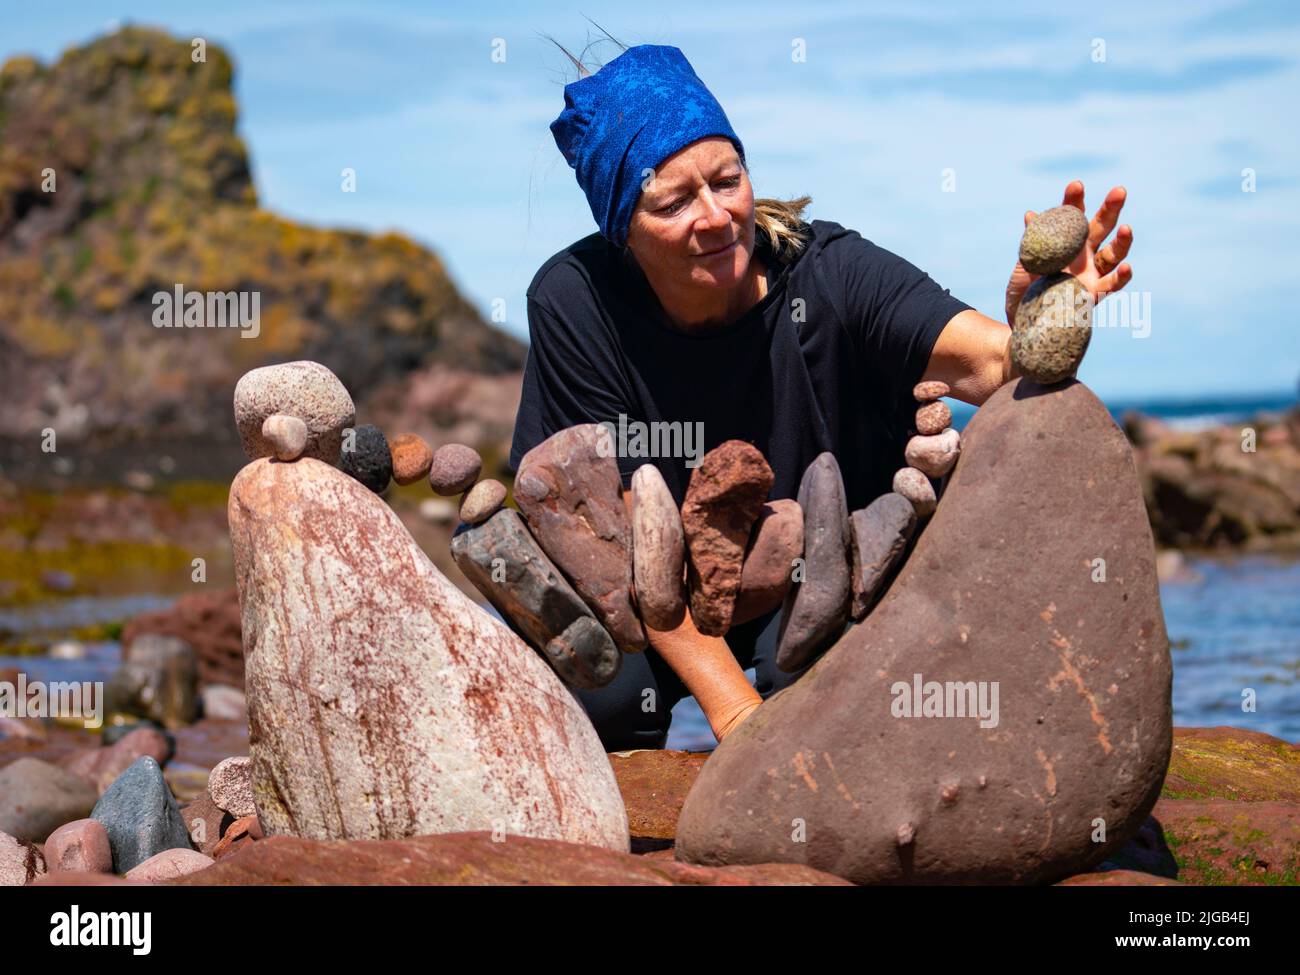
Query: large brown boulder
{"points": [[1002, 594], [382, 701]]}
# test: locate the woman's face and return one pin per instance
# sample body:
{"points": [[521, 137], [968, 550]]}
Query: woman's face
{"points": [[694, 222]]}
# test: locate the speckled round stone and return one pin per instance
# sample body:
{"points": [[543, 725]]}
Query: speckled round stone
{"points": [[1053, 239], [287, 436], [412, 457], [455, 467], [930, 389], [933, 418], [365, 456], [934, 455], [916, 487], [482, 501], [1053, 328]]}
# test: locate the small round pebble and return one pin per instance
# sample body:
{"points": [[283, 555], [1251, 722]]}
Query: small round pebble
{"points": [[934, 455], [930, 389], [287, 436], [933, 418], [916, 487], [412, 458], [455, 467], [365, 456], [1052, 240], [482, 501]]}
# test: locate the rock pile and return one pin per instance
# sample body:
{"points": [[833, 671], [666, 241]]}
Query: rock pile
{"points": [[1054, 319]]}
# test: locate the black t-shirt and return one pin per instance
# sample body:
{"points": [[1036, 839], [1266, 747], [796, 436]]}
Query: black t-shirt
{"points": [[825, 361]]}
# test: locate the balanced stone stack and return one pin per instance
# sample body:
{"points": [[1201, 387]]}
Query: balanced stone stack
{"points": [[1054, 320], [382, 702]]}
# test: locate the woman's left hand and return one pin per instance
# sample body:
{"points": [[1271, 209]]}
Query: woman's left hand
{"points": [[1102, 270]]}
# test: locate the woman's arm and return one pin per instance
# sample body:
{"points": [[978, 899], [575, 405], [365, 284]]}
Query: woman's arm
{"points": [[708, 668]]}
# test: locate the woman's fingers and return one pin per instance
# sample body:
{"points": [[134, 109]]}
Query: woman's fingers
{"points": [[1114, 281], [1110, 256], [1073, 194], [1107, 216], [1029, 215]]}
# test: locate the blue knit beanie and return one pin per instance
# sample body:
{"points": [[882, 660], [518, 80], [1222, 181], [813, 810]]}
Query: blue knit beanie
{"points": [[628, 117]]}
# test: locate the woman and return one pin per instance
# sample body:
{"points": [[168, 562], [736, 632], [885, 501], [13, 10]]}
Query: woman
{"points": [[697, 304]]}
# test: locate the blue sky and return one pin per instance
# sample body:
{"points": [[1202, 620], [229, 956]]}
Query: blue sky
{"points": [[453, 148]]}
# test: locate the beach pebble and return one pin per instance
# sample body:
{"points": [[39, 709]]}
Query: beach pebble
{"points": [[287, 436], [571, 492], [658, 550], [101, 766], [916, 487], [365, 455], [816, 607], [482, 501], [36, 798], [242, 831], [930, 389], [141, 816], [439, 511], [933, 418], [412, 458], [303, 389], [934, 455], [20, 862], [206, 822], [725, 495], [67, 650], [223, 703], [168, 865], [775, 542], [535, 598], [1053, 239], [880, 533], [1052, 330], [455, 467], [157, 680], [79, 845], [231, 786]]}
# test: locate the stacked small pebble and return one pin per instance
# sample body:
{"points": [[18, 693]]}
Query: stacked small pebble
{"points": [[932, 452], [1053, 322]]}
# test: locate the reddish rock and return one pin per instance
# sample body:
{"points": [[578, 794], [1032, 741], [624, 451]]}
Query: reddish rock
{"points": [[998, 589], [454, 469], [1223, 842], [382, 701], [75, 878], [209, 623], [931, 389], [879, 534], [79, 846], [102, 766], [412, 457], [206, 823], [168, 865], [725, 495], [1232, 763], [933, 418], [1118, 878], [241, 832], [774, 543], [474, 859], [654, 783], [658, 551], [816, 607], [570, 491], [20, 863]]}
